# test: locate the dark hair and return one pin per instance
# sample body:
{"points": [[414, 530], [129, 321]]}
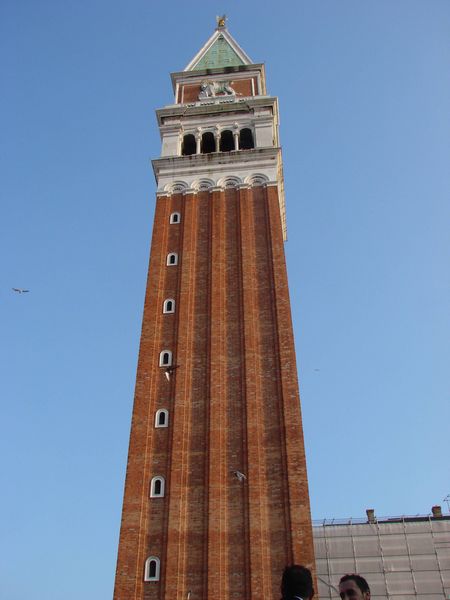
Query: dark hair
{"points": [[296, 581], [360, 582]]}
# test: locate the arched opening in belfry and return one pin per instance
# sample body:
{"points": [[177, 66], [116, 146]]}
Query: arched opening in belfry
{"points": [[226, 141], [246, 139], [188, 147], [208, 143]]}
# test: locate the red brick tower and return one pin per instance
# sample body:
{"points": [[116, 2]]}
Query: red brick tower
{"points": [[216, 495]]}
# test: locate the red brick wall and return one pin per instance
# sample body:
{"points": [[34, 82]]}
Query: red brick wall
{"points": [[242, 87], [233, 405]]}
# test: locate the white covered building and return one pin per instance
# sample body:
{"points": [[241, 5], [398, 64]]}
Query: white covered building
{"points": [[402, 558]]}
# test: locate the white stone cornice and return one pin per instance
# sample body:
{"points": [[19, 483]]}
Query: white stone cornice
{"points": [[194, 166], [221, 104]]}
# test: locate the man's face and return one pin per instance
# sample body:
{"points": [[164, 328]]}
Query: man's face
{"points": [[349, 590]]}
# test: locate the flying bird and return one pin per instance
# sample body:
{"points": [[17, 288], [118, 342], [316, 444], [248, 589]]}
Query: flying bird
{"points": [[239, 475], [20, 290], [169, 370]]}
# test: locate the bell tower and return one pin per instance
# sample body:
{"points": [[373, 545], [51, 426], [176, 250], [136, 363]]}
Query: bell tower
{"points": [[216, 496]]}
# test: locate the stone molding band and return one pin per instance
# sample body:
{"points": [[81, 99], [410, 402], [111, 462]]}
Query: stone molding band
{"points": [[204, 185]]}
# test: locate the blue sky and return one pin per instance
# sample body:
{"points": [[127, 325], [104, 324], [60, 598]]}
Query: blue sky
{"points": [[365, 128]]}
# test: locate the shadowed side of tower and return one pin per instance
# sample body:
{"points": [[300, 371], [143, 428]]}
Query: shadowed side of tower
{"points": [[216, 496]]}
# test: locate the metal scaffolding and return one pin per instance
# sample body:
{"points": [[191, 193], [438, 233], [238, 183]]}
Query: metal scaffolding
{"points": [[403, 558]]}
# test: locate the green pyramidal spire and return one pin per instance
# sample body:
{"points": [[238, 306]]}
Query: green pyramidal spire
{"points": [[220, 51], [218, 56]]}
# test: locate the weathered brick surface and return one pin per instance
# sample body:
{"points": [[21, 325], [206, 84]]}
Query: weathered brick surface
{"points": [[233, 405]]}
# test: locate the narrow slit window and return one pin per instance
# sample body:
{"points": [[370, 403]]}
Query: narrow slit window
{"points": [[152, 568], [162, 418], [172, 259], [157, 487], [175, 218], [165, 358], [169, 306]]}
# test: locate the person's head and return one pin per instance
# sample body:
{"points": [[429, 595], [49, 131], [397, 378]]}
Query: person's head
{"points": [[354, 587], [297, 581]]}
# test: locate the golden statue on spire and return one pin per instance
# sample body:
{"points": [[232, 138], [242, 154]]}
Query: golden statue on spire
{"points": [[221, 22]]}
